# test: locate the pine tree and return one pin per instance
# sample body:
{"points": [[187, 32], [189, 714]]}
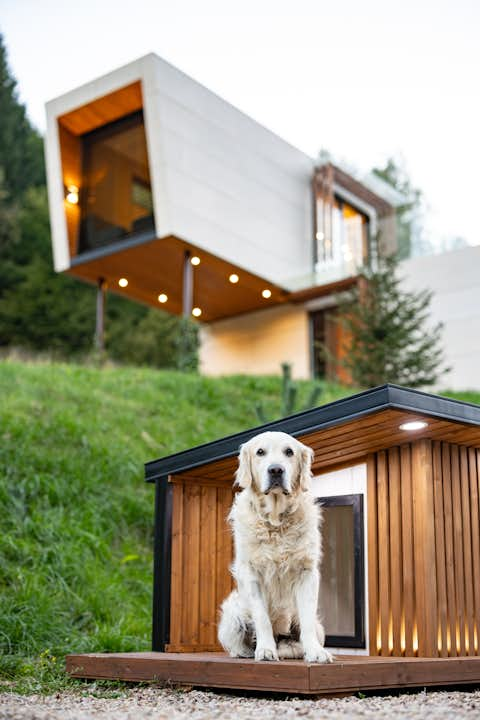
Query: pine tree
{"points": [[389, 336], [409, 213], [21, 147]]}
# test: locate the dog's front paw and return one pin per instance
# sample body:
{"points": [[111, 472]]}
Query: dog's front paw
{"points": [[266, 654], [317, 654]]}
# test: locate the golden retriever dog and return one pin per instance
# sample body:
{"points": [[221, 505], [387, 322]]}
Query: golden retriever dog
{"points": [[272, 613]]}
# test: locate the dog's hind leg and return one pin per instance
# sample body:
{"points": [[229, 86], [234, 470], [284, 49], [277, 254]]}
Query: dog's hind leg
{"points": [[235, 628]]}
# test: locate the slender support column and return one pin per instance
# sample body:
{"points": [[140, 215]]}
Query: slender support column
{"points": [[100, 315], [187, 285]]}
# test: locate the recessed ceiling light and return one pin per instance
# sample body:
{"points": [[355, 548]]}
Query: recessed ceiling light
{"points": [[266, 293], [162, 298], [196, 312], [123, 282], [195, 260], [320, 235], [233, 278], [413, 425]]}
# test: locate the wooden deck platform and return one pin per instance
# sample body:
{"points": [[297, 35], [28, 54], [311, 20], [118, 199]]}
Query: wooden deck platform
{"points": [[348, 674]]}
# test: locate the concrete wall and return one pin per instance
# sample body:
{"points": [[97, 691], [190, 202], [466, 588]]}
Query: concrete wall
{"points": [[229, 185], [258, 343], [454, 278], [220, 181]]}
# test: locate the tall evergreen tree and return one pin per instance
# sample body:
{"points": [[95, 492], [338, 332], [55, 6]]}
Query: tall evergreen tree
{"points": [[389, 336], [409, 212], [21, 146]]}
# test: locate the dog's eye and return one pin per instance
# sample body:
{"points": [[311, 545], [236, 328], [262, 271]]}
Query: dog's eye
{"points": [[289, 452], [260, 451]]}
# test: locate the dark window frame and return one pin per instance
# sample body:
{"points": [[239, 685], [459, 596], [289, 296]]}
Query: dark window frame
{"points": [[357, 640], [88, 139]]}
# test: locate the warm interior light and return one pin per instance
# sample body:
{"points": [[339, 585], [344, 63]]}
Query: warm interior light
{"points": [[162, 298], [266, 293], [196, 312], [195, 260], [233, 278], [123, 282], [320, 235], [72, 194], [414, 425]]}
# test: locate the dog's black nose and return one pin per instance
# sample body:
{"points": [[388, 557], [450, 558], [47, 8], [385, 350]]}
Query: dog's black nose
{"points": [[275, 471]]}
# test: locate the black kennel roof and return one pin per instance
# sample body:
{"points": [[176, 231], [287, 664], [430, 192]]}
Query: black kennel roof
{"points": [[335, 413]]}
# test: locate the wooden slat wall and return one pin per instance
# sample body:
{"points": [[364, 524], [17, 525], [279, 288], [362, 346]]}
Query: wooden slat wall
{"points": [[424, 550], [201, 556]]}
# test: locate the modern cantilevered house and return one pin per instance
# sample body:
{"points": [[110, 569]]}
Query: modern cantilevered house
{"points": [[163, 192]]}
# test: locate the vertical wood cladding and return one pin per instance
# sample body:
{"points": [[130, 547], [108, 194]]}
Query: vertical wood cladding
{"points": [[424, 550], [201, 556]]}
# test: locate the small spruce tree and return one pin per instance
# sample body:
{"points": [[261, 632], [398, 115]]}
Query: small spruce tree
{"points": [[389, 338]]}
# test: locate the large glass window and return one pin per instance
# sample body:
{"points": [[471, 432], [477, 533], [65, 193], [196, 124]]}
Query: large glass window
{"points": [[342, 235], [341, 602], [116, 198]]}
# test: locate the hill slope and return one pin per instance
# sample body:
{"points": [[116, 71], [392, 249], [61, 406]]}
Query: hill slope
{"points": [[76, 516]]}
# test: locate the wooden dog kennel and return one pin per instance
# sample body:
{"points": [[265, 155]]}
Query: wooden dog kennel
{"points": [[414, 549]]}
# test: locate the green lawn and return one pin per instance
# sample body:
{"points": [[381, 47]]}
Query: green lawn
{"points": [[76, 516]]}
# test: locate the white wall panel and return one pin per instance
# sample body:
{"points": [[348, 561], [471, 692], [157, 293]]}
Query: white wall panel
{"points": [[454, 278]]}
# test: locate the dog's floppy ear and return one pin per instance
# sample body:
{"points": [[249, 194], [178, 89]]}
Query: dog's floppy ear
{"points": [[243, 476], [306, 458]]}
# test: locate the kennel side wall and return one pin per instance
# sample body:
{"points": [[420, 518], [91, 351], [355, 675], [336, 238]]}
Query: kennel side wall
{"points": [[424, 550], [423, 553]]}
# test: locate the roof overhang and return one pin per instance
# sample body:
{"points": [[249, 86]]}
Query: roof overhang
{"points": [[340, 432], [155, 267]]}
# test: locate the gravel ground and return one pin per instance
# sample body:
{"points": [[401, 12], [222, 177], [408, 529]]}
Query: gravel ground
{"points": [[148, 703]]}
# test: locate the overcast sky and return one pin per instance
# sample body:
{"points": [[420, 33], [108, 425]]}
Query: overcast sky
{"points": [[364, 79]]}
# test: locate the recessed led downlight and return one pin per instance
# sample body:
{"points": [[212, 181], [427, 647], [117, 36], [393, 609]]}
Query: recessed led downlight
{"points": [[233, 278], [162, 298], [123, 282], [195, 260], [414, 425], [266, 293], [196, 312]]}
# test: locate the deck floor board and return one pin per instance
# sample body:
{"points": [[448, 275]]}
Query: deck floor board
{"points": [[216, 670]]}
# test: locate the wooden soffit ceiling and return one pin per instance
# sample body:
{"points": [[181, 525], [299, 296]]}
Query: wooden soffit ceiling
{"points": [[103, 110], [341, 433], [156, 267], [352, 441]]}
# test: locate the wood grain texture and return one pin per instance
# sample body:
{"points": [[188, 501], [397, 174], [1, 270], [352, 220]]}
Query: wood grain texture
{"points": [[384, 578], [395, 508], [425, 570], [201, 557], [372, 534], [103, 110], [424, 555], [409, 623], [345, 674], [440, 552]]}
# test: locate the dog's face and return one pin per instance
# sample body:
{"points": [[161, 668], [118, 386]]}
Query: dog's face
{"points": [[274, 462]]}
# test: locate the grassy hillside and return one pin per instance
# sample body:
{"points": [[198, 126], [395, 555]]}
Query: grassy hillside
{"points": [[75, 514]]}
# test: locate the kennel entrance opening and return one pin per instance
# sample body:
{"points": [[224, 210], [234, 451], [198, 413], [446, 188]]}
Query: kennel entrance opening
{"points": [[342, 591]]}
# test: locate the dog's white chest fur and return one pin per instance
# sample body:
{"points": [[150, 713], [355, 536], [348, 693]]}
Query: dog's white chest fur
{"points": [[276, 552]]}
